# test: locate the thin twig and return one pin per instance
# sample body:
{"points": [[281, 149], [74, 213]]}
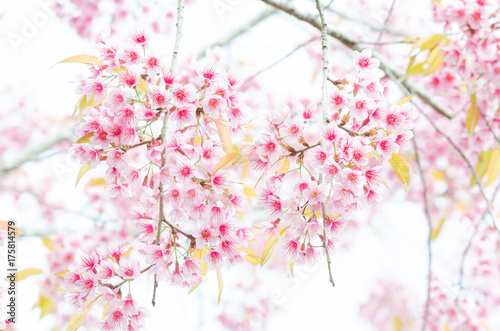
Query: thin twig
{"points": [[384, 27], [180, 13], [126, 280], [488, 124], [178, 36], [429, 237], [280, 60], [32, 154], [238, 32], [464, 255], [350, 43], [459, 151], [324, 58]]}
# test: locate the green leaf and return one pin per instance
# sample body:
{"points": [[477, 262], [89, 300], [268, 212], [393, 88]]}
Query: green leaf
{"points": [[401, 169], [227, 161], [86, 59], [46, 305], [481, 166], [472, 118], [405, 100], [220, 282], [493, 169], [23, 274], [142, 86], [83, 170], [79, 317], [85, 139], [270, 244], [435, 231]]}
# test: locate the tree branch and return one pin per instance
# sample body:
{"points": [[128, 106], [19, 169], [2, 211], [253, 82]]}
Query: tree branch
{"points": [[30, 155], [350, 43], [180, 13], [429, 237], [238, 32]]}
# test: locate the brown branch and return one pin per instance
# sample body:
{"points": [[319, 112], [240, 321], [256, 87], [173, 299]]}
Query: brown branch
{"points": [[429, 237], [123, 282], [350, 43], [176, 229], [180, 13], [238, 32]]}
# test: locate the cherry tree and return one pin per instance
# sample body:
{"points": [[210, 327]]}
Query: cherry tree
{"points": [[190, 166]]}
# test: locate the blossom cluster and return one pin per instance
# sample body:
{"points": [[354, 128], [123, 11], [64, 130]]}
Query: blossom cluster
{"points": [[470, 73], [164, 138], [317, 170], [91, 281]]}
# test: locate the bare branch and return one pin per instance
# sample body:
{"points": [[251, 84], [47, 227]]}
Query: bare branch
{"points": [[350, 43], [384, 27], [429, 237], [180, 13], [32, 154], [279, 60], [238, 32]]}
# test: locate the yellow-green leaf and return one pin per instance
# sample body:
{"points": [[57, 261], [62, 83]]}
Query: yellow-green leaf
{"points": [[5, 226], [285, 165], [46, 305], [227, 161], [142, 86], [435, 231], [481, 166], [270, 244], [220, 282], [434, 61], [83, 170], [493, 169], [223, 132], [398, 325], [472, 118], [23, 274], [87, 59], [96, 182], [85, 139], [405, 100], [61, 273], [251, 256], [250, 192], [401, 169], [290, 263], [48, 243], [79, 317]]}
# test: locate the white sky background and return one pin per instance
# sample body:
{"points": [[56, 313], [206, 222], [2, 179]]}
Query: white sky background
{"points": [[393, 244]]}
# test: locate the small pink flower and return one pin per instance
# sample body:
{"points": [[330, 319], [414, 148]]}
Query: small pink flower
{"points": [[140, 37], [387, 146], [315, 193], [183, 94], [129, 269], [128, 77], [364, 61], [205, 235], [208, 72], [338, 99], [158, 96]]}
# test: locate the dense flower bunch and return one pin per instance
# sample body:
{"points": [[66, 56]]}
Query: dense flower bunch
{"points": [[470, 73], [316, 168], [164, 139], [91, 282]]}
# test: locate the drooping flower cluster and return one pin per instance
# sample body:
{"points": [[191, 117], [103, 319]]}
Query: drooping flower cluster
{"points": [[165, 140], [92, 281], [315, 169], [469, 76]]}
